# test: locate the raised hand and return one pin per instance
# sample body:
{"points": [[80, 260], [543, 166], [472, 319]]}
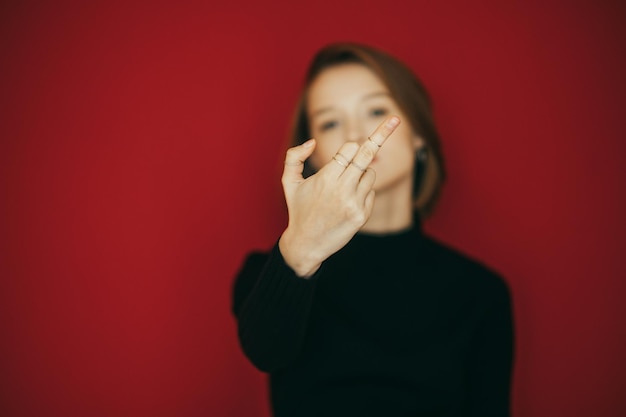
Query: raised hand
{"points": [[328, 208]]}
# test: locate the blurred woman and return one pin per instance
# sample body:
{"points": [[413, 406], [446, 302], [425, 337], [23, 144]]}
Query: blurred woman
{"points": [[354, 311]]}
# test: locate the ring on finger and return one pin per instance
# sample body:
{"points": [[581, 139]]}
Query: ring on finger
{"points": [[371, 140], [344, 163], [357, 166]]}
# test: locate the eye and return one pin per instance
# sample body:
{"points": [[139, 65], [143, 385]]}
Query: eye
{"points": [[328, 125], [378, 112]]}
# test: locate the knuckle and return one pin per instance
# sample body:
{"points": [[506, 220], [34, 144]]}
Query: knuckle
{"points": [[359, 218], [291, 152], [354, 213], [379, 136], [350, 148], [367, 152], [384, 131]]}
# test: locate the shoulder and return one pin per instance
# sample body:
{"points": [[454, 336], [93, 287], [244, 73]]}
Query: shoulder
{"points": [[247, 276], [468, 273]]}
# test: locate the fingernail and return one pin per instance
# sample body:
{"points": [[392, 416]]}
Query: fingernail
{"points": [[393, 122], [308, 143]]}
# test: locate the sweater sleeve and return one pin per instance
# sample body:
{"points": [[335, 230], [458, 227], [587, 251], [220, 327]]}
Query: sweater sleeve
{"points": [[492, 357], [272, 306]]}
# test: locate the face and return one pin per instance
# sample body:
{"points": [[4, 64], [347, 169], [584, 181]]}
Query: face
{"points": [[346, 103]]}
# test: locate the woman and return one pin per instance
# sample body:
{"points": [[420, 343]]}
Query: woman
{"points": [[355, 312]]}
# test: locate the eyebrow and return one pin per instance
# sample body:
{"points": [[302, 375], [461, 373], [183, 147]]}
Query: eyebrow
{"points": [[364, 98]]}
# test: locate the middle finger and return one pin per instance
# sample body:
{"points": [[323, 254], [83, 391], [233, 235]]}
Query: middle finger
{"points": [[369, 148]]}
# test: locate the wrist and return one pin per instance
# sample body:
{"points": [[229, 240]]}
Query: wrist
{"points": [[298, 257]]}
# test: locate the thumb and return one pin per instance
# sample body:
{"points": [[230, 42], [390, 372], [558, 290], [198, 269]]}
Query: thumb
{"points": [[294, 163]]}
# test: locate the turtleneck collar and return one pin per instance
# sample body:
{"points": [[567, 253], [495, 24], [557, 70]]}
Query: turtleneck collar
{"points": [[410, 233]]}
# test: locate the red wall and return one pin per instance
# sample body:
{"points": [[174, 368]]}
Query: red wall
{"points": [[140, 150]]}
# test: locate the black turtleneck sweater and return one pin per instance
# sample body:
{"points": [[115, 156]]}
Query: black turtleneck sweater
{"points": [[392, 325]]}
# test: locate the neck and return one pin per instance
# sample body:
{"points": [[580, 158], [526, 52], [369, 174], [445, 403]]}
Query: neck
{"points": [[393, 210]]}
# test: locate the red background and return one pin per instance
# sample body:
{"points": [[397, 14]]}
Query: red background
{"points": [[141, 146]]}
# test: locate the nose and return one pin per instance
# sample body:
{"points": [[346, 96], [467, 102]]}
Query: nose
{"points": [[354, 131]]}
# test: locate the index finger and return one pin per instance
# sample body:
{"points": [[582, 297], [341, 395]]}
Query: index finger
{"points": [[369, 148]]}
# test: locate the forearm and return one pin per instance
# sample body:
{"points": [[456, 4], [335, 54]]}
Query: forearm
{"points": [[272, 320]]}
